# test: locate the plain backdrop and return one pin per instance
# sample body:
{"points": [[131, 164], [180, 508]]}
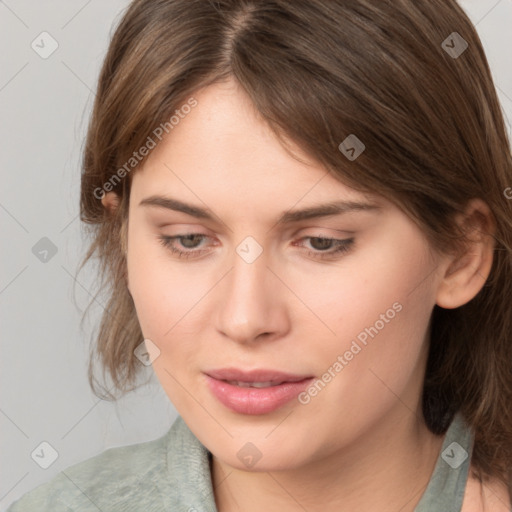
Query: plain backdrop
{"points": [[44, 109]]}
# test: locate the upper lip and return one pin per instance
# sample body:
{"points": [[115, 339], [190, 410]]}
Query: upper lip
{"points": [[258, 375]]}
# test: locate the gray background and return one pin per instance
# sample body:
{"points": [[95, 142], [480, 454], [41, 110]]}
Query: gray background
{"points": [[44, 108]]}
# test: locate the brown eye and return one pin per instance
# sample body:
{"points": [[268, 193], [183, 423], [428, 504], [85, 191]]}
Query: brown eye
{"points": [[321, 244]]}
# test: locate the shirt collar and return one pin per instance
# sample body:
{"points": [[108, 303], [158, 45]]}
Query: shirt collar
{"points": [[189, 485]]}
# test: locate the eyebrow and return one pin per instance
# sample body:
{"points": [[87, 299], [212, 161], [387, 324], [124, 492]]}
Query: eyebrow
{"points": [[288, 217]]}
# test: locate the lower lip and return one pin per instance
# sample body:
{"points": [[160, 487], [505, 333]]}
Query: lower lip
{"points": [[255, 400]]}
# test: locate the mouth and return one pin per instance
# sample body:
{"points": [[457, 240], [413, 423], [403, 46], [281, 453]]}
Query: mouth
{"points": [[256, 391], [242, 384], [259, 376]]}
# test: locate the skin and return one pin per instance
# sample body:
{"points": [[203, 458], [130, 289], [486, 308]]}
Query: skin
{"points": [[362, 441], [490, 496]]}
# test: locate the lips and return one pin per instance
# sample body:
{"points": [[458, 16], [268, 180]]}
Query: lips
{"points": [[255, 376], [255, 391]]}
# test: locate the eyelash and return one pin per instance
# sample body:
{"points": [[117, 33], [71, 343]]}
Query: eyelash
{"points": [[341, 246]]}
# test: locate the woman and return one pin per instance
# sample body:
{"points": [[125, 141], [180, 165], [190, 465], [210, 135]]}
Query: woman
{"points": [[300, 207]]}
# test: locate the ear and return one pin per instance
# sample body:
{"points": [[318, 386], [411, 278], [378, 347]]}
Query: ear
{"points": [[110, 201], [465, 274]]}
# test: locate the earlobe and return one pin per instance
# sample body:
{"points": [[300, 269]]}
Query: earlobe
{"points": [[110, 201], [465, 274]]}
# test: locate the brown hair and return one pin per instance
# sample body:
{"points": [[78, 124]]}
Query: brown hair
{"points": [[318, 71]]}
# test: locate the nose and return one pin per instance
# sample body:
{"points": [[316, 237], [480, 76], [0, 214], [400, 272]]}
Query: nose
{"points": [[251, 302]]}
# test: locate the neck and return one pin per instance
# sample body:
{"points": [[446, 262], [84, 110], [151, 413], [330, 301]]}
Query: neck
{"points": [[386, 469]]}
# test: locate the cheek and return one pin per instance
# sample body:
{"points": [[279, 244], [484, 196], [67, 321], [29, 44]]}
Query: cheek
{"points": [[373, 311], [167, 294], [164, 300], [155, 290], [384, 284]]}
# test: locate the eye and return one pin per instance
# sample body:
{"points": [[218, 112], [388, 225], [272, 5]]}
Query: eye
{"points": [[190, 245], [187, 241], [328, 248]]}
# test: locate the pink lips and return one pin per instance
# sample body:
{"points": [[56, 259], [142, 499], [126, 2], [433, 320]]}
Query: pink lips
{"points": [[252, 400]]}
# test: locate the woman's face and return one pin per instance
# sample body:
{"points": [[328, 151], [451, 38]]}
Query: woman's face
{"points": [[251, 292]]}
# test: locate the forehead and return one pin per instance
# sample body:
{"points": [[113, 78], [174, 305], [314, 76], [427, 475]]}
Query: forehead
{"points": [[223, 153]]}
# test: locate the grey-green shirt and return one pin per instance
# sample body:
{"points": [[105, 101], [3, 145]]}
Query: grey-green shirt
{"points": [[172, 473]]}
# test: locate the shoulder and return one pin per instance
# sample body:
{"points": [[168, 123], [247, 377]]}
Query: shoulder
{"points": [[490, 496], [103, 482]]}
